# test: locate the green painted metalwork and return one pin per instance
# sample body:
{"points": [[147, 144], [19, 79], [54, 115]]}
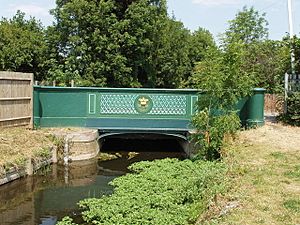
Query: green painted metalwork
{"points": [[255, 108], [115, 108], [127, 109]]}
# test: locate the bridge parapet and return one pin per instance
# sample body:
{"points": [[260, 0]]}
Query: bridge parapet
{"points": [[130, 109], [115, 109]]}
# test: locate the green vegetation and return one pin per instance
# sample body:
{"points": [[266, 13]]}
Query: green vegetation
{"points": [[293, 205], [292, 116], [18, 145], [22, 45], [265, 60], [121, 44], [295, 173], [162, 192], [264, 178], [42, 153], [225, 82], [135, 44]]}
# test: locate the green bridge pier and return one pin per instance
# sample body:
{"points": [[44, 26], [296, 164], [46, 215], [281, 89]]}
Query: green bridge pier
{"points": [[130, 111]]}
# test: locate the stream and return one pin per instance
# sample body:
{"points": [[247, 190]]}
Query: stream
{"points": [[54, 191]]}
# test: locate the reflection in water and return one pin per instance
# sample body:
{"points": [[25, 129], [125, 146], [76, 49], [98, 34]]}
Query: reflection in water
{"points": [[45, 198]]}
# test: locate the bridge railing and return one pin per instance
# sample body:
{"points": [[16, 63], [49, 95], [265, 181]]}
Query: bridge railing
{"points": [[128, 109], [115, 108]]}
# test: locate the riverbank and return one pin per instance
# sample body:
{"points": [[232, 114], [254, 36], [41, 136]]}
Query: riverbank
{"points": [[23, 151], [18, 145], [264, 176]]}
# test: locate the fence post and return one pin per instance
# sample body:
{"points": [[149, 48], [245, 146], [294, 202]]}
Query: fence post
{"points": [[31, 102], [286, 89]]}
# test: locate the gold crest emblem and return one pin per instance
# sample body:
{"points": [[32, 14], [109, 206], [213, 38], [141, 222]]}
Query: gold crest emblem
{"points": [[143, 104], [143, 101]]}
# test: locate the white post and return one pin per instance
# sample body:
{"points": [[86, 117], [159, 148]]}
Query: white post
{"points": [[286, 89], [291, 28]]}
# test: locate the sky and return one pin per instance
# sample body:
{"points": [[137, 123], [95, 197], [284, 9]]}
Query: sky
{"points": [[212, 15]]}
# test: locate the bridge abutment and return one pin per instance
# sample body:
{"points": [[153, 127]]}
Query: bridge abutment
{"points": [[79, 144]]}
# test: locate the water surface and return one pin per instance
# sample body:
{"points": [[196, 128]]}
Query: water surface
{"points": [[54, 192]]}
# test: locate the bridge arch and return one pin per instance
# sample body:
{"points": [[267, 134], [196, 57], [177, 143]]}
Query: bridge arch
{"points": [[179, 141], [147, 135]]}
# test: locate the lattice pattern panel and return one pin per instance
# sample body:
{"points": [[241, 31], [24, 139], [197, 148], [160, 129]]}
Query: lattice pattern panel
{"points": [[118, 104], [168, 105], [123, 104]]}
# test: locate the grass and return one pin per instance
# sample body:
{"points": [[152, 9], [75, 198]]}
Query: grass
{"points": [[19, 144], [265, 178]]}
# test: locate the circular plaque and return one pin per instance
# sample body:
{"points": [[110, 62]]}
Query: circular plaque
{"points": [[143, 104]]}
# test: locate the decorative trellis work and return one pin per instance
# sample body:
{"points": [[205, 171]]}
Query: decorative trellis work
{"points": [[118, 104], [168, 105], [124, 104]]}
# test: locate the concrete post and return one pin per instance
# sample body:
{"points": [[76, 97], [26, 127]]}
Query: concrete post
{"points": [[29, 167], [54, 154]]}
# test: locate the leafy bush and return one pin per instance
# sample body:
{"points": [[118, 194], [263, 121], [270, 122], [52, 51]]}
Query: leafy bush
{"points": [[66, 221], [225, 82], [212, 129], [292, 116], [161, 192]]}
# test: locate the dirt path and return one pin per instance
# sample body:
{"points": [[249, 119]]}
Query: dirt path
{"points": [[284, 138]]}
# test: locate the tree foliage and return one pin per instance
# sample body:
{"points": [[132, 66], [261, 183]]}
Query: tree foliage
{"points": [[248, 26], [22, 45], [120, 44], [292, 116], [295, 44], [267, 59], [270, 61], [224, 83]]}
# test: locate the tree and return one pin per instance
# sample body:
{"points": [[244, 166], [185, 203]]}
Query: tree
{"points": [[296, 47], [22, 45], [248, 26], [270, 61], [224, 82], [265, 58], [170, 60], [201, 40], [87, 44], [115, 43]]}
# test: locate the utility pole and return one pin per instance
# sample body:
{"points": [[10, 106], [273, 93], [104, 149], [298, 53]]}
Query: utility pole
{"points": [[291, 27], [286, 76]]}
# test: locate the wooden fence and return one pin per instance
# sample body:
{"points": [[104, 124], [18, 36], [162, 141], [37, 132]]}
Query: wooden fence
{"points": [[16, 99], [274, 104]]}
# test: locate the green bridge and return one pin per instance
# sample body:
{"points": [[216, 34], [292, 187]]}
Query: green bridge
{"points": [[126, 110]]}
